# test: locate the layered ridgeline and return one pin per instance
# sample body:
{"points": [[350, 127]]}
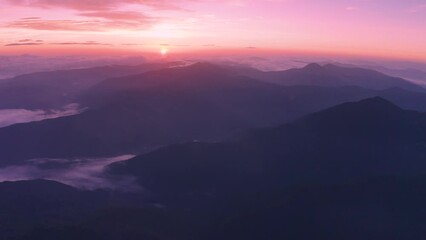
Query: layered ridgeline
{"points": [[55, 89], [332, 75], [369, 138], [175, 105], [354, 171]]}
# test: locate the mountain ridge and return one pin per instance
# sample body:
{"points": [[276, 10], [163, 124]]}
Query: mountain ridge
{"points": [[317, 148]]}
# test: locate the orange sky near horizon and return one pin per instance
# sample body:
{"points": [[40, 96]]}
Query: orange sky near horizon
{"points": [[393, 29]]}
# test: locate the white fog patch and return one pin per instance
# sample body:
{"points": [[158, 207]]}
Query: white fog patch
{"points": [[13, 116], [84, 173]]}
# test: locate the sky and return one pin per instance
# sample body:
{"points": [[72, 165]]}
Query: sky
{"points": [[393, 29]]}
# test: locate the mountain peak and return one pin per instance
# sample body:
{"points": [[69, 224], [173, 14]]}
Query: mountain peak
{"points": [[374, 117], [375, 109], [313, 66], [378, 102], [374, 105]]}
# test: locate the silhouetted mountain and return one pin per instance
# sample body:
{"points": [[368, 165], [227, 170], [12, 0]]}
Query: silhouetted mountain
{"points": [[131, 121], [417, 76], [331, 75], [195, 77], [326, 172], [372, 137], [46, 90], [175, 105]]}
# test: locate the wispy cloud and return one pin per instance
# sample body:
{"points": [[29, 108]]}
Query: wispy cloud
{"points": [[99, 5], [132, 44], [95, 15], [95, 25], [13, 116], [23, 44], [85, 173], [88, 43], [29, 40]]}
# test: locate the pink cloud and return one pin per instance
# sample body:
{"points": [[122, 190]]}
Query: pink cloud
{"points": [[99, 16], [29, 40], [88, 43], [82, 25], [97, 5], [23, 44], [25, 40]]}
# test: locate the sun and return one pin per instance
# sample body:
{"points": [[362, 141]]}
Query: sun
{"points": [[164, 52]]}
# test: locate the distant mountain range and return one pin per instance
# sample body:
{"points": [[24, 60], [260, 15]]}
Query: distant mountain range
{"points": [[54, 89], [414, 75], [174, 105], [332, 75]]}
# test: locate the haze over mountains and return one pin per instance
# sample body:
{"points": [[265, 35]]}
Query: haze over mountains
{"points": [[15, 65], [332, 75], [54, 89], [222, 152], [409, 72], [202, 101], [46, 90]]}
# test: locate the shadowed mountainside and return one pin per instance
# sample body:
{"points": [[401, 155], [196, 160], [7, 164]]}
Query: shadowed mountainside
{"points": [[353, 171], [372, 137]]}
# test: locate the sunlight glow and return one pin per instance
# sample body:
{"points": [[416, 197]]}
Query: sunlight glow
{"points": [[164, 52]]}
